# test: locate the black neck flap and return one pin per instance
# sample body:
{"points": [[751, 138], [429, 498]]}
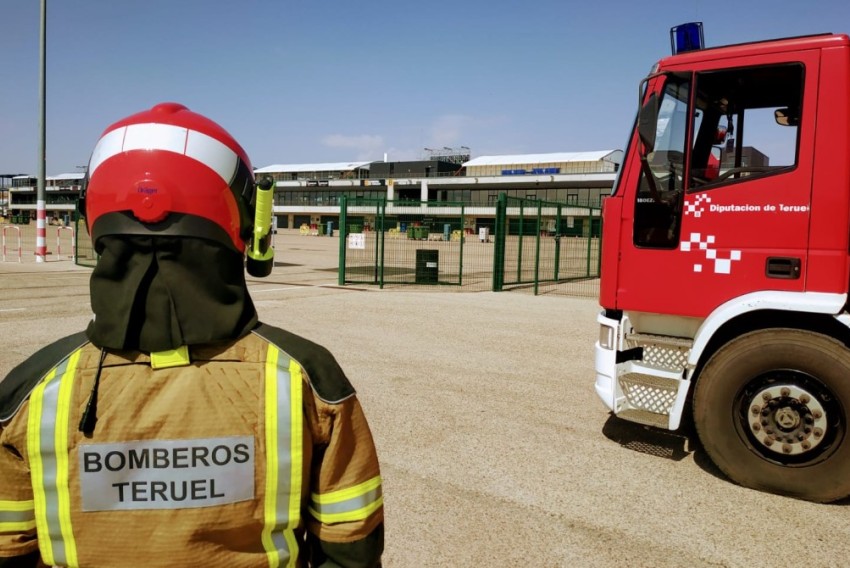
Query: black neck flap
{"points": [[158, 293]]}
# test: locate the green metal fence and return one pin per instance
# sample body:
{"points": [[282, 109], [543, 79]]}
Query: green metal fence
{"points": [[390, 243], [547, 247], [531, 245], [539, 246]]}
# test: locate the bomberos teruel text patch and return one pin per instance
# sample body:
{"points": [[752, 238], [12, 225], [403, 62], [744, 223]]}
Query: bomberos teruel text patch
{"points": [[166, 474]]}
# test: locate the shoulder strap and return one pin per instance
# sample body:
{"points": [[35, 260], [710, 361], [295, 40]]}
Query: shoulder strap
{"points": [[21, 380], [326, 376]]}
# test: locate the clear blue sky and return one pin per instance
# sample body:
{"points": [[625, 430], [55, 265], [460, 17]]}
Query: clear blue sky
{"points": [[299, 81]]}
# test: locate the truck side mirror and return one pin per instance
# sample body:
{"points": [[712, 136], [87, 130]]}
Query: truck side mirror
{"points": [[785, 117], [648, 123]]}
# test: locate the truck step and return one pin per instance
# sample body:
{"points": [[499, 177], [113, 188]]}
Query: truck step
{"points": [[661, 351], [647, 338], [646, 418], [649, 394]]}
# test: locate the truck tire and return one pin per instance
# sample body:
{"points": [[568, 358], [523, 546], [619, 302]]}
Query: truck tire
{"points": [[771, 410]]}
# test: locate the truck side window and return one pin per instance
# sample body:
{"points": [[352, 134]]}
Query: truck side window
{"points": [[658, 208], [745, 124]]}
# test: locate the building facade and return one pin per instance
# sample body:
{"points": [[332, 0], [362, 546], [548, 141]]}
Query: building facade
{"points": [[577, 178], [310, 194]]}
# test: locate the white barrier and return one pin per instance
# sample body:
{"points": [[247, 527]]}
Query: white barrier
{"points": [[59, 244], [20, 245]]}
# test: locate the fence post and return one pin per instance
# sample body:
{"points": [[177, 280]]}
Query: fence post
{"points": [[519, 240], [501, 231], [589, 237], [462, 238], [343, 237], [537, 247], [557, 244], [382, 212]]}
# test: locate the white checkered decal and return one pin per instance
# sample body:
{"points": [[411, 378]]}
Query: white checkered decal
{"points": [[696, 207], [697, 243]]}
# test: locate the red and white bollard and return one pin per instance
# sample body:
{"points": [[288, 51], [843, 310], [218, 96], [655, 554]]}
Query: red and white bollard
{"points": [[20, 247], [59, 243], [41, 232]]}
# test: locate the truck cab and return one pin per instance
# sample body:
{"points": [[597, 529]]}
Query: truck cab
{"points": [[727, 234]]}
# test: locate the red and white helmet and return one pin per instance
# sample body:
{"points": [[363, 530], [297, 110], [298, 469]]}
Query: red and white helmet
{"points": [[170, 171]]}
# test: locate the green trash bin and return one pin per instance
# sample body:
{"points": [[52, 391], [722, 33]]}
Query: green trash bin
{"points": [[417, 233]]}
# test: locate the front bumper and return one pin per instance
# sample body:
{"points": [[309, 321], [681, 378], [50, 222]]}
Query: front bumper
{"points": [[606, 361]]}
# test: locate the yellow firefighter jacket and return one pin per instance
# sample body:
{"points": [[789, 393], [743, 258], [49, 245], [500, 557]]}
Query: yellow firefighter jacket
{"points": [[255, 453]]}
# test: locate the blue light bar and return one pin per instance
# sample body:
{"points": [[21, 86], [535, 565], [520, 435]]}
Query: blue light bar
{"points": [[687, 37]]}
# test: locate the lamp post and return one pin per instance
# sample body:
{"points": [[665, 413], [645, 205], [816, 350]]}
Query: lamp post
{"points": [[40, 208]]}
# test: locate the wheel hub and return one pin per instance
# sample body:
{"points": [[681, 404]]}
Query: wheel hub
{"points": [[787, 420]]}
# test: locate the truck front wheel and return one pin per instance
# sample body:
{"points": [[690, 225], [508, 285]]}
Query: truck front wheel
{"points": [[771, 410]]}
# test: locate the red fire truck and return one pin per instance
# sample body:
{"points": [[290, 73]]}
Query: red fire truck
{"points": [[726, 261]]}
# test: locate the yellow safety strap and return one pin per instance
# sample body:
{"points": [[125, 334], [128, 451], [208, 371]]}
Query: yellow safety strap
{"points": [[47, 449], [284, 455], [16, 516], [346, 505]]}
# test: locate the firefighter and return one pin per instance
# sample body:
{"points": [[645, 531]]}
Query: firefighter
{"points": [[178, 430]]}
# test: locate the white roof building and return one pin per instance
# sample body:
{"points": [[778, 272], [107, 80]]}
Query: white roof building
{"points": [[66, 177], [321, 167], [613, 156]]}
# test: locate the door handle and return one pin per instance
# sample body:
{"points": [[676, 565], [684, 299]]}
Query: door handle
{"points": [[782, 267]]}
